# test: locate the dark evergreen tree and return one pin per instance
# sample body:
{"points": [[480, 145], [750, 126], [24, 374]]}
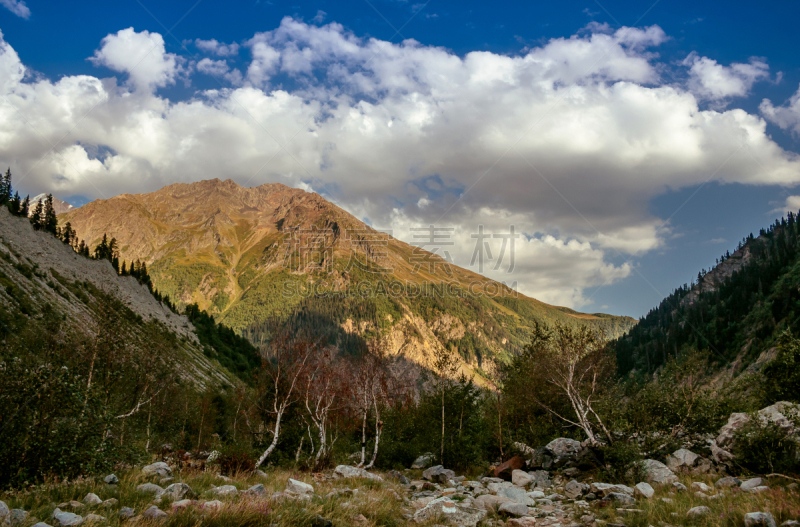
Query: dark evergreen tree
{"points": [[5, 187], [24, 207], [49, 220], [14, 204], [37, 215]]}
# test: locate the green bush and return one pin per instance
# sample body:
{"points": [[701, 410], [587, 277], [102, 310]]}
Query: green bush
{"points": [[764, 447]]}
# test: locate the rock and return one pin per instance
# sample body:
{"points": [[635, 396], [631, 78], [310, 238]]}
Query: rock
{"points": [[541, 478], [603, 489], [682, 460], [759, 519], [64, 519], [775, 413], [504, 470], [453, 513], [679, 487], [165, 481], [574, 489], [94, 518], [178, 491], [490, 501], [513, 509], [521, 478], [111, 479], [160, 469], [643, 490], [256, 490], [514, 493], [16, 517], [110, 502], [261, 474], [618, 497], [527, 521], [230, 490], [213, 505], [760, 488], [752, 483], [150, 488], [702, 487], [319, 521], [92, 499], [720, 455], [126, 512], [727, 482], [399, 477], [536, 494], [181, 504], [438, 474], [4, 511], [787, 523], [298, 487], [154, 513], [657, 472], [697, 512], [72, 504], [423, 461], [41, 524], [571, 472], [346, 471], [563, 450]]}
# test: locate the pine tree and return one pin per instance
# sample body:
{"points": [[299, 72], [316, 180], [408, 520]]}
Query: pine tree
{"points": [[37, 214], [5, 187], [123, 271], [14, 204], [101, 251], [25, 206], [49, 221]]}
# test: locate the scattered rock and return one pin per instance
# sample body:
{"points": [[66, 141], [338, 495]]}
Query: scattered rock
{"points": [[702, 487], [643, 490], [618, 497], [126, 512], [603, 489], [438, 474], [110, 502], [111, 479], [515, 494], [41, 524], [399, 477], [696, 512], [527, 521], [563, 450], [154, 513], [513, 509], [319, 521], [679, 487], [65, 519], [257, 490], [423, 461], [157, 469], [150, 488], [230, 490], [752, 483], [16, 517], [261, 473], [759, 519], [574, 489], [727, 482], [657, 472], [453, 513], [521, 478], [4, 511], [92, 499], [489, 501], [298, 487], [182, 504], [775, 413], [94, 518], [346, 471], [178, 491], [213, 505]]}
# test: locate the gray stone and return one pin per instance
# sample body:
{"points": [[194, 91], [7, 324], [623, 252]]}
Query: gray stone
{"points": [[230, 490], [574, 489], [346, 471], [490, 501], [41, 524], [65, 519], [679, 487], [111, 479], [150, 488], [126, 512], [696, 512], [752, 483], [16, 517], [110, 502], [438, 474], [423, 461], [94, 518], [513, 509], [727, 482], [257, 490], [759, 519], [657, 472], [521, 478], [298, 487], [4, 511], [181, 504], [776, 413], [453, 513], [160, 469], [682, 460], [541, 478], [92, 499], [603, 489], [643, 490], [618, 497], [213, 505], [702, 487], [514, 493], [260, 473], [154, 513], [563, 450], [178, 491]]}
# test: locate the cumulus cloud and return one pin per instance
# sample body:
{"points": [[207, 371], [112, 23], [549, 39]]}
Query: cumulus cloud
{"points": [[141, 55], [217, 48], [17, 7], [786, 116], [567, 141], [712, 81]]}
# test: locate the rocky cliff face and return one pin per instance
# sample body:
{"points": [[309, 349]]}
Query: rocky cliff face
{"points": [[245, 254]]}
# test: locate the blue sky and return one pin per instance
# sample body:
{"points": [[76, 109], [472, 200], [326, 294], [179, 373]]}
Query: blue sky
{"points": [[627, 170]]}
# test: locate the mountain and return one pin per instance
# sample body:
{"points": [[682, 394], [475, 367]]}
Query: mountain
{"points": [[59, 206], [735, 312], [248, 254], [39, 274]]}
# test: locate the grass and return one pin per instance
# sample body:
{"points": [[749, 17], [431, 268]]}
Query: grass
{"points": [[376, 501]]}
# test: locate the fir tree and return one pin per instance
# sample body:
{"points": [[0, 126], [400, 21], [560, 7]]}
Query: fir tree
{"points": [[14, 204], [24, 207], [37, 214], [49, 220], [5, 187]]}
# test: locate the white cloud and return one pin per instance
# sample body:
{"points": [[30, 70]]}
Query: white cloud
{"points": [[786, 116], [319, 17], [792, 204], [217, 48], [713, 81], [141, 55], [17, 7], [407, 134]]}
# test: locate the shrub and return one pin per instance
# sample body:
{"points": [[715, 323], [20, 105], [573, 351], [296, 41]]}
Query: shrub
{"points": [[764, 447], [236, 458]]}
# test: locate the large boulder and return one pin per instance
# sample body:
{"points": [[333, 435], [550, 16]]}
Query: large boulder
{"points": [[643, 490], [298, 487], [346, 471], [682, 460], [656, 472], [515, 494], [563, 450], [438, 474], [423, 461], [504, 470], [521, 478], [759, 519], [160, 469], [776, 413], [452, 512], [575, 489]]}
